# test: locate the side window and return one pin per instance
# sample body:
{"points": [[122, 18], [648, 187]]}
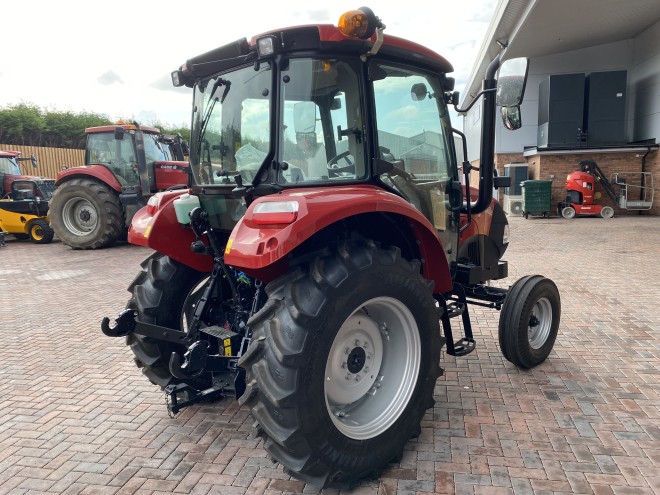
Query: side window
{"points": [[410, 127], [414, 135], [323, 130]]}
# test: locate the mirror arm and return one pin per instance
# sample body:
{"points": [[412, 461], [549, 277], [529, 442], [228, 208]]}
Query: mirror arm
{"points": [[474, 100]]}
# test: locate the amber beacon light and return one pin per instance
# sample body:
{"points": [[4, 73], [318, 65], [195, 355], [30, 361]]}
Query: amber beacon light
{"points": [[360, 23]]}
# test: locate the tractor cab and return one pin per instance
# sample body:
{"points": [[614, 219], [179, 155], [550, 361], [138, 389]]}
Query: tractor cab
{"points": [[10, 172], [114, 147], [298, 113]]}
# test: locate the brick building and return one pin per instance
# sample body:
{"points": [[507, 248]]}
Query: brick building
{"points": [[593, 91]]}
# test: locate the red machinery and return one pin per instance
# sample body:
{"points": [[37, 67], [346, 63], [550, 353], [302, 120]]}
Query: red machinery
{"points": [[320, 292], [125, 164], [580, 192]]}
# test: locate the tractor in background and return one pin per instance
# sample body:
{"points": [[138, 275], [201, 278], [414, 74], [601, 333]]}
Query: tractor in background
{"points": [[125, 165], [315, 267]]}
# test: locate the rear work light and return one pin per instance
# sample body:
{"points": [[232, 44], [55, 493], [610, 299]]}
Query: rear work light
{"points": [[275, 212]]}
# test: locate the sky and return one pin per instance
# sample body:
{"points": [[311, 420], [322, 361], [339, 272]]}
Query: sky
{"points": [[115, 58]]}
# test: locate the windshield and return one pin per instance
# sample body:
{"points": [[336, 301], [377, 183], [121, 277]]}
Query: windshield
{"points": [[231, 125], [8, 165], [119, 154]]}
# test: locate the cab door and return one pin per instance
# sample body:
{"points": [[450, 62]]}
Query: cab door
{"points": [[414, 135]]}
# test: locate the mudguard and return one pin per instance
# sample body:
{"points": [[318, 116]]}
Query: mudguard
{"points": [[156, 227], [99, 172], [254, 246]]}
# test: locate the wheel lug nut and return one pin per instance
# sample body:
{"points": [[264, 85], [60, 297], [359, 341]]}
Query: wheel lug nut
{"points": [[357, 343], [343, 365], [348, 377], [347, 351], [366, 345]]}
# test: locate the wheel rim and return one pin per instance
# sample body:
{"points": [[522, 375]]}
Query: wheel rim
{"points": [[568, 212], [607, 212], [540, 323], [37, 233], [372, 368], [79, 216]]}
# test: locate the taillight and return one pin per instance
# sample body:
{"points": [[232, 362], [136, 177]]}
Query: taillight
{"points": [[154, 203], [275, 212]]}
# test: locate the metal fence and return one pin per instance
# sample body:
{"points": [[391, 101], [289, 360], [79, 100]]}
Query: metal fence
{"points": [[50, 160]]}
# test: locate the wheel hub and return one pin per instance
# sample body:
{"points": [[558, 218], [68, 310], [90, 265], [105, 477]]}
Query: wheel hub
{"points": [[79, 216], [372, 368], [540, 323], [356, 360], [85, 215]]}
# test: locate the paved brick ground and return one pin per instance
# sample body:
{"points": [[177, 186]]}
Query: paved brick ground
{"points": [[77, 417]]}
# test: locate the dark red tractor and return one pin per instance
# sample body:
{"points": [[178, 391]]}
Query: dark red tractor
{"points": [[315, 266], [125, 165]]}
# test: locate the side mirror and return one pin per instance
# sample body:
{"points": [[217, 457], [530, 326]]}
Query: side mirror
{"points": [[33, 159], [511, 117], [119, 133], [418, 92], [511, 82], [304, 117]]}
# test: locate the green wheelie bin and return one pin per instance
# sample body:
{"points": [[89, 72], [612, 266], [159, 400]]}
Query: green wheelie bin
{"points": [[536, 196]]}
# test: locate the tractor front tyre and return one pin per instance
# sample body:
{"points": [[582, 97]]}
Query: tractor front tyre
{"points": [[86, 214], [40, 232], [343, 362], [529, 321], [568, 212], [163, 293]]}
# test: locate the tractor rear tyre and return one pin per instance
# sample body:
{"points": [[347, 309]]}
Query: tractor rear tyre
{"points": [[568, 212], [86, 214], [607, 212], [40, 232], [529, 321], [163, 293], [343, 362]]}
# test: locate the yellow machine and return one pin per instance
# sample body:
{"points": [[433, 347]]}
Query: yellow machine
{"points": [[23, 213]]}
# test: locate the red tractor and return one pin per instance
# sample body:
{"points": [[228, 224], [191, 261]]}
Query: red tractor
{"points": [[11, 172], [125, 164], [315, 266]]}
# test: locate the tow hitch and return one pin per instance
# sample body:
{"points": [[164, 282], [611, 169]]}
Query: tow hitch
{"points": [[228, 378]]}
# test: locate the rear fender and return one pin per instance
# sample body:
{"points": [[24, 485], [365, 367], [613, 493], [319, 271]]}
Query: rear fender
{"points": [[260, 249], [157, 228], [98, 172]]}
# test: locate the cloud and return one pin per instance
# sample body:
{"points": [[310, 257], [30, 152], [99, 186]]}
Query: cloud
{"points": [[108, 78], [319, 15], [164, 83]]}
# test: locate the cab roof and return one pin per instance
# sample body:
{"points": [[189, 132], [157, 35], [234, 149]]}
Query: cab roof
{"points": [[322, 39]]}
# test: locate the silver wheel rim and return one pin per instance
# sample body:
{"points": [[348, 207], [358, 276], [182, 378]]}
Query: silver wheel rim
{"points": [[79, 216], [372, 368], [540, 322], [568, 212], [607, 212]]}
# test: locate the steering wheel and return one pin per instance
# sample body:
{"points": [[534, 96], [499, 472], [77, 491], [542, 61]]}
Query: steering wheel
{"points": [[335, 170]]}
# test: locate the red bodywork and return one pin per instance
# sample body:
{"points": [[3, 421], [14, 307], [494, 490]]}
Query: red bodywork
{"points": [[584, 184], [260, 250], [99, 172], [8, 179], [170, 174], [331, 33]]}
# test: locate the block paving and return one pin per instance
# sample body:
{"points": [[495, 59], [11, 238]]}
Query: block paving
{"points": [[77, 417]]}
